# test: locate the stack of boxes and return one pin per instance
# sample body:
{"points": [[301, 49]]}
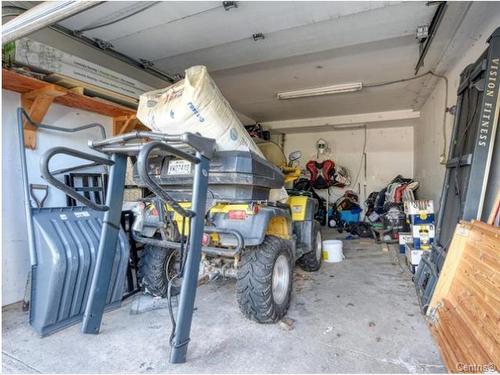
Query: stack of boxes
{"points": [[420, 215]]}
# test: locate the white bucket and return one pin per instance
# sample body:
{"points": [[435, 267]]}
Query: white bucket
{"points": [[332, 251]]}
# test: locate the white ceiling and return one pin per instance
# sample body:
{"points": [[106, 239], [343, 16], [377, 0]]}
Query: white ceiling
{"points": [[307, 44]]}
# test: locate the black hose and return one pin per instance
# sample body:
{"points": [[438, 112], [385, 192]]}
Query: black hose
{"points": [[183, 257], [171, 311]]}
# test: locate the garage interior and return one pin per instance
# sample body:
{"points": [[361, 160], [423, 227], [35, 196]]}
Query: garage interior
{"points": [[379, 118]]}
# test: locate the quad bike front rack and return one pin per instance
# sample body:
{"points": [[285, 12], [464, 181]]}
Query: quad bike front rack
{"points": [[191, 147]]}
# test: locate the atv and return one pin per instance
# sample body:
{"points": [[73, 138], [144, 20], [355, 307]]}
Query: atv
{"points": [[247, 236]]}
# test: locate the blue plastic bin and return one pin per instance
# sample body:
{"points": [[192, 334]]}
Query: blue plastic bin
{"points": [[350, 216]]}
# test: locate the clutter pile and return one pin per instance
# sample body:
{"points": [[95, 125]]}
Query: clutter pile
{"points": [[400, 189], [385, 208], [345, 212]]}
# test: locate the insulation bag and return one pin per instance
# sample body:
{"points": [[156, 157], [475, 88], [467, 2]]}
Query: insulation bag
{"points": [[195, 104]]}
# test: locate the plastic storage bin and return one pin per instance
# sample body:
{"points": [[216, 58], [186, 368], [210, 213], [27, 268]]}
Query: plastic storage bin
{"points": [[349, 216]]}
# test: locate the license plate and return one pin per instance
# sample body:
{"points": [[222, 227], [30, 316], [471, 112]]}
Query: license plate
{"points": [[176, 167]]}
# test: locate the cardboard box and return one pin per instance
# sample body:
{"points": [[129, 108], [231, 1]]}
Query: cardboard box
{"points": [[421, 219], [413, 256], [419, 207], [404, 238], [423, 236]]}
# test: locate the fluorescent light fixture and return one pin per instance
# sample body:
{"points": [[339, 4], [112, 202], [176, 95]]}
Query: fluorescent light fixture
{"points": [[326, 90]]}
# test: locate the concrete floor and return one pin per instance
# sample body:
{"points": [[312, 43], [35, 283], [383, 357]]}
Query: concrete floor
{"points": [[357, 316]]}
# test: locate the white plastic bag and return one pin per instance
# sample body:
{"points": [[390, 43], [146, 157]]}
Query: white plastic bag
{"points": [[195, 104]]}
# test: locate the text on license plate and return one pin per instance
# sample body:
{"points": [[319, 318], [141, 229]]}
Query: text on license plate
{"points": [[179, 167]]}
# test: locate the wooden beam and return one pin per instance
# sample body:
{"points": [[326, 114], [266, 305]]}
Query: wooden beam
{"points": [[124, 124], [78, 90], [36, 103], [22, 84]]}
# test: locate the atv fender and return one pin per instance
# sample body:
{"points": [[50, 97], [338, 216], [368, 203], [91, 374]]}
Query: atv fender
{"points": [[269, 220]]}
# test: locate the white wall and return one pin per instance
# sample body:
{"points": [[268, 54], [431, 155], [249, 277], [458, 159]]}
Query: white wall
{"points": [[15, 253], [389, 152], [470, 41]]}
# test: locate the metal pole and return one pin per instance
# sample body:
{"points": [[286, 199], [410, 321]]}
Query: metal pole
{"points": [[451, 153], [107, 246], [190, 280], [26, 188]]}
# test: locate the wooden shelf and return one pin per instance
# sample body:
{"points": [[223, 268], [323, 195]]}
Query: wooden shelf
{"points": [[16, 82], [37, 96]]}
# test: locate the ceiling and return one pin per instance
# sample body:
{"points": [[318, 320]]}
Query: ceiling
{"points": [[305, 45]]}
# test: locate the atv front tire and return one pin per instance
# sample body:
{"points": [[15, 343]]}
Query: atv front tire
{"points": [[156, 268], [312, 260], [264, 281]]}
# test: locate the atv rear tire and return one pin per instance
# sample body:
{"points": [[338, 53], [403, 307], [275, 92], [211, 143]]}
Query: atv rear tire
{"points": [[312, 260], [152, 274], [264, 281]]}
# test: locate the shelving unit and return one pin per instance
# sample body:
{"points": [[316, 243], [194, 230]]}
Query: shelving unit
{"points": [[37, 96]]}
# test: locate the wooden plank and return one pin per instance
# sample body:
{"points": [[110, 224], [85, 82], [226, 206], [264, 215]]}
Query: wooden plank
{"points": [[451, 264], [481, 275], [140, 126], [126, 124], [94, 90], [460, 330], [77, 90], [485, 260], [466, 303], [22, 84], [481, 228], [479, 323], [472, 292], [129, 125], [452, 345], [16, 82], [482, 317], [445, 346], [102, 100], [92, 105], [49, 90]]}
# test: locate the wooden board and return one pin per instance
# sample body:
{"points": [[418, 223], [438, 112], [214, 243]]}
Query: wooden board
{"points": [[465, 308], [19, 83]]}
